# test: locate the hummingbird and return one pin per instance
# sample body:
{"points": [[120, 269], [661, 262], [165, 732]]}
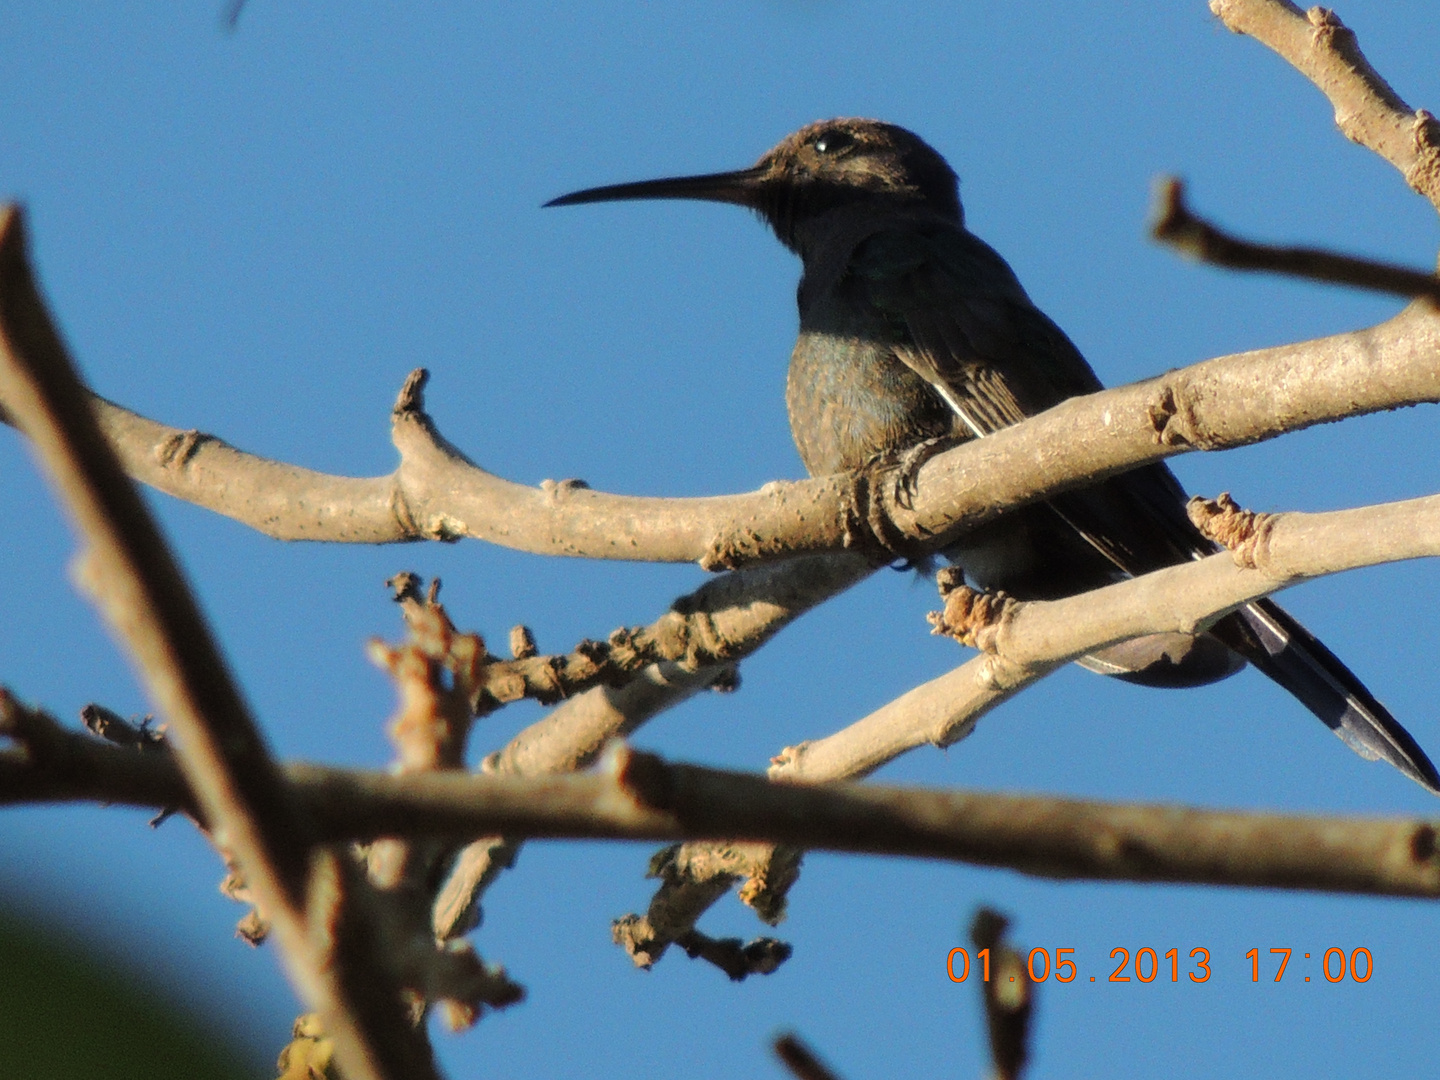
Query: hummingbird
{"points": [[916, 334]]}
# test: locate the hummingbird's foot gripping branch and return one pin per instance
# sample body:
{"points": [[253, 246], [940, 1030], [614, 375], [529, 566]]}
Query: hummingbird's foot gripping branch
{"points": [[907, 470]]}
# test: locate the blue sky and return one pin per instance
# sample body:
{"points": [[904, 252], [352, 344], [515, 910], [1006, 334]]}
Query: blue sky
{"points": [[259, 234]]}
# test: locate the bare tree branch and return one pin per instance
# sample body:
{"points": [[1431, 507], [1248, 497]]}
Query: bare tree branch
{"points": [[129, 571], [1175, 224], [1023, 641], [59, 765], [272, 817], [437, 494], [444, 681], [1020, 643], [1367, 110], [742, 610], [800, 1059], [637, 797]]}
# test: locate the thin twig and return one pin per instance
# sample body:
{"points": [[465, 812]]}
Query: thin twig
{"points": [[1008, 995], [444, 680], [128, 568], [743, 609], [230, 16], [800, 1059], [1176, 225]]}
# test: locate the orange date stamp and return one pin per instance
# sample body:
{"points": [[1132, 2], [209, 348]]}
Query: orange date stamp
{"points": [[1146, 965]]}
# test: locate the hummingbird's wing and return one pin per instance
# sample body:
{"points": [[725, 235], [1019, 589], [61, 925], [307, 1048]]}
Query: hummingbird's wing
{"points": [[960, 319], [962, 322]]}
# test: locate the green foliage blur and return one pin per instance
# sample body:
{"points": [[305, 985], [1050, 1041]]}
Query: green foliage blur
{"points": [[67, 1016]]}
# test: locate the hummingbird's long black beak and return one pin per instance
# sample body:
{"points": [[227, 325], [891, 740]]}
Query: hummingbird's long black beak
{"points": [[741, 188]]}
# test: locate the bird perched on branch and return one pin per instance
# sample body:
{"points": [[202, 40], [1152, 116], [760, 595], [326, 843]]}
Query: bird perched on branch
{"points": [[914, 332]]}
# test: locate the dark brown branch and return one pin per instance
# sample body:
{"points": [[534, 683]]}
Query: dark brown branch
{"points": [[1367, 110], [1176, 225], [800, 1059], [640, 797], [1050, 837], [128, 568], [735, 958], [60, 765], [1008, 996]]}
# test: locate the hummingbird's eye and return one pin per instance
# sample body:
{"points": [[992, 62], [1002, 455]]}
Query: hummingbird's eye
{"points": [[833, 142]]}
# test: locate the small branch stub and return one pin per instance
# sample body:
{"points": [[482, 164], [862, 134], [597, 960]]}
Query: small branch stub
{"points": [[735, 958], [522, 643], [1246, 533], [971, 617]]}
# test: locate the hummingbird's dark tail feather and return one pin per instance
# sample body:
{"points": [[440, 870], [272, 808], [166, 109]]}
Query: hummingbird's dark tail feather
{"points": [[1270, 638]]}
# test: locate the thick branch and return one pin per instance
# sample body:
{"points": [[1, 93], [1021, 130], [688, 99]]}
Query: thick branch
{"points": [[1029, 640], [128, 568], [1023, 643], [1367, 110], [639, 797], [436, 493]]}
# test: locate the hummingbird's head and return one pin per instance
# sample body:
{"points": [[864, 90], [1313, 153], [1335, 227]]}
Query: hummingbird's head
{"points": [[835, 163], [820, 168]]}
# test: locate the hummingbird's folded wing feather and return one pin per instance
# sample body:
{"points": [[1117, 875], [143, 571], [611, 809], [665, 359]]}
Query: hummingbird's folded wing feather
{"points": [[962, 322]]}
